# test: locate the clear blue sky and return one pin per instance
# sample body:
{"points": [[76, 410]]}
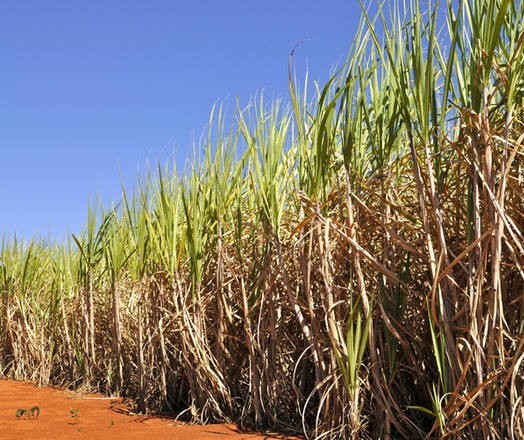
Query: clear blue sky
{"points": [[90, 90]]}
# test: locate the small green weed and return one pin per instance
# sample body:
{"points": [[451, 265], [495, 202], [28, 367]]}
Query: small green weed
{"points": [[31, 413]]}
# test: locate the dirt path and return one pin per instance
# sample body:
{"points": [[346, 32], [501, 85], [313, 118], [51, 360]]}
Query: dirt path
{"points": [[66, 415]]}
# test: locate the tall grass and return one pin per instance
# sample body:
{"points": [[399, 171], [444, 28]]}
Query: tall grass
{"points": [[349, 265]]}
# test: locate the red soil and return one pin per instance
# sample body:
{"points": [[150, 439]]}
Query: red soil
{"points": [[67, 415]]}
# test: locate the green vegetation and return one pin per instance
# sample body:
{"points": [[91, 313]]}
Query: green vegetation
{"points": [[349, 266], [31, 413]]}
